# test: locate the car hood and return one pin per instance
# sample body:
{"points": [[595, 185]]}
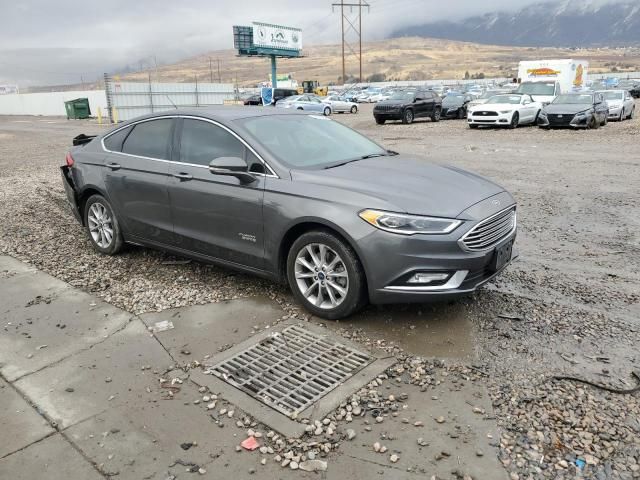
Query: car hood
{"points": [[567, 109], [406, 183], [396, 103], [496, 106]]}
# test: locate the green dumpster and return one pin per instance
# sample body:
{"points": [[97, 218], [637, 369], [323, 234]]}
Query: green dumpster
{"points": [[77, 108]]}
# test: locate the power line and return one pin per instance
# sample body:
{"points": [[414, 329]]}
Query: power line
{"points": [[348, 20]]}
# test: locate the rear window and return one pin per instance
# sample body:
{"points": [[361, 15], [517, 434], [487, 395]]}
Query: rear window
{"points": [[149, 139], [114, 141]]}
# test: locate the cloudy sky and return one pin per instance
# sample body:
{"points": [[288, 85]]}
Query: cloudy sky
{"points": [[61, 41]]}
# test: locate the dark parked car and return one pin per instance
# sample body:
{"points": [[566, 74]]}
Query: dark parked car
{"points": [[293, 197], [455, 106], [575, 110], [280, 93], [407, 105], [253, 100], [632, 86]]}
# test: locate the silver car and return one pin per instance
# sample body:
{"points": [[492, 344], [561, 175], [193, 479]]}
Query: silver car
{"points": [[621, 104], [339, 105], [308, 102], [293, 197]]}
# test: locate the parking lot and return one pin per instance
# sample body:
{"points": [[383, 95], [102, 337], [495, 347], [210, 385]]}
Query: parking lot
{"points": [[568, 306]]}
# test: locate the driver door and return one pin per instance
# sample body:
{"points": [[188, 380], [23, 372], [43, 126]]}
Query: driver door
{"points": [[215, 215], [528, 108]]}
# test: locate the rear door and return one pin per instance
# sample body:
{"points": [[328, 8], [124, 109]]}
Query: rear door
{"points": [[136, 174], [216, 215]]}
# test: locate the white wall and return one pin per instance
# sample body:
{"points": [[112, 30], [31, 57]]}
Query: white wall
{"points": [[50, 103]]}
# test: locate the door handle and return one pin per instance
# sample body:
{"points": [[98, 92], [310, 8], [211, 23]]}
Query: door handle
{"points": [[114, 166], [183, 176]]}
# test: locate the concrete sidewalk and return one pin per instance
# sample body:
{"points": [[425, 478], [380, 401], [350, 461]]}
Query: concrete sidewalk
{"points": [[79, 383]]}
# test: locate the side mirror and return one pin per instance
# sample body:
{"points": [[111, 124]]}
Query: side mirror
{"points": [[418, 99], [232, 167]]}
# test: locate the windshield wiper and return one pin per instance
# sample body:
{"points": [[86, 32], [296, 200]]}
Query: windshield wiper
{"points": [[364, 157]]}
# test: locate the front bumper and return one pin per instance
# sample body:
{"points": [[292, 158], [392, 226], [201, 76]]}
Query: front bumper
{"points": [[71, 191], [614, 112], [565, 121], [388, 114], [405, 256], [499, 119]]}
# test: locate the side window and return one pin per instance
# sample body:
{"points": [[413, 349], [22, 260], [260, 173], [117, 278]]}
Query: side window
{"points": [[202, 142], [150, 139], [114, 141]]}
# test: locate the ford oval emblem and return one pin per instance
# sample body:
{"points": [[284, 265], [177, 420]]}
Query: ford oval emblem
{"points": [[495, 202]]}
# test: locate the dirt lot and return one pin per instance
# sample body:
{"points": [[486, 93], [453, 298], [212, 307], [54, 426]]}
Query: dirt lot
{"points": [[569, 306]]}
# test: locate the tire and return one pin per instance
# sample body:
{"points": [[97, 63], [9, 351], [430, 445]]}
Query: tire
{"points": [[326, 296], [380, 121], [461, 113], [605, 121], [102, 226], [632, 114], [326, 112], [407, 116], [621, 117], [354, 109], [592, 124], [515, 119], [437, 113]]}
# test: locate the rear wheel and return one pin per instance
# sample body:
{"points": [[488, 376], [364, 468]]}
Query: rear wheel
{"points": [[102, 226], [325, 275], [326, 111], [380, 121], [437, 113], [515, 119], [354, 109], [605, 121], [407, 118]]}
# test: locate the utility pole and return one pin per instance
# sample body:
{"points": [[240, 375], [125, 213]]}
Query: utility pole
{"points": [[350, 25], [210, 71], [219, 77]]}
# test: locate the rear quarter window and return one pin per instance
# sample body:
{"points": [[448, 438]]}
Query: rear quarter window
{"points": [[114, 141]]}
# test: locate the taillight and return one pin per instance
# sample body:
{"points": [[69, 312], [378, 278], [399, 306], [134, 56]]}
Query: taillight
{"points": [[69, 160]]}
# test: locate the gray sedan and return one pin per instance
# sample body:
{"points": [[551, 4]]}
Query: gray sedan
{"points": [[310, 103], [292, 197]]}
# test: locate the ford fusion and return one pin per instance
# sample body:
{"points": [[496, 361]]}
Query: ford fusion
{"points": [[293, 197]]}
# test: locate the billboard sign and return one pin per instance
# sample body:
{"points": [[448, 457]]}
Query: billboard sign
{"points": [[276, 36]]}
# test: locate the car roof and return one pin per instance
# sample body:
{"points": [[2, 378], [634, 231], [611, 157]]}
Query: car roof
{"points": [[218, 112]]}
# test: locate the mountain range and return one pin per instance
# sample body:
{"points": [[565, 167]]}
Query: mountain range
{"points": [[569, 23]]}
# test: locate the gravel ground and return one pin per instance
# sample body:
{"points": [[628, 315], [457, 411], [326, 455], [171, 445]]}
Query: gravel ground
{"points": [[572, 297]]}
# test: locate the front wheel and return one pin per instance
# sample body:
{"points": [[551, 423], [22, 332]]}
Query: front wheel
{"points": [[437, 113], [407, 118], [380, 121], [326, 111], [514, 120], [605, 121], [102, 226], [632, 114], [461, 113], [593, 123], [354, 109], [325, 275]]}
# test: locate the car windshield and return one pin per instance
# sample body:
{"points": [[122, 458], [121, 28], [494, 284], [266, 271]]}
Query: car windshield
{"points": [[403, 95], [513, 99], [309, 141], [453, 100], [613, 95], [489, 94], [573, 99], [537, 88]]}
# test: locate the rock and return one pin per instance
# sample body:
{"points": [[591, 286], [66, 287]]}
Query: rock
{"points": [[263, 461], [479, 453], [418, 424], [422, 442], [356, 410], [383, 449], [394, 458], [313, 466], [69, 390], [440, 419], [351, 434], [293, 465], [202, 471], [376, 446], [379, 419]]}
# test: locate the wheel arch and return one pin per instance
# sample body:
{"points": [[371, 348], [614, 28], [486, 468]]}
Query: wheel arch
{"points": [[307, 225], [87, 192]]}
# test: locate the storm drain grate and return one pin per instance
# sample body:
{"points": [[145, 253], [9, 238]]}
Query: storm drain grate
{"points": [[291, 369]]}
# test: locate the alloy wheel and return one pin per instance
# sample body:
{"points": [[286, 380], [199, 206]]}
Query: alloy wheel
{"points": [[100, 225], [321, 276]]}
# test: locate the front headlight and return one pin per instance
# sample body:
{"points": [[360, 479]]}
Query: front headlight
{"points": [[408, 224], [505, 111]]}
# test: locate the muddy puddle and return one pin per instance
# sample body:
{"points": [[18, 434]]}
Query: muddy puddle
{"points": [[439, 330]]}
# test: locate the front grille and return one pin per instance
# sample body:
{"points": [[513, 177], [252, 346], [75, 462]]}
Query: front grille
{"points": [[488, 233], [560, 119], [385, 108], [485, 113], [291, 370]]}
